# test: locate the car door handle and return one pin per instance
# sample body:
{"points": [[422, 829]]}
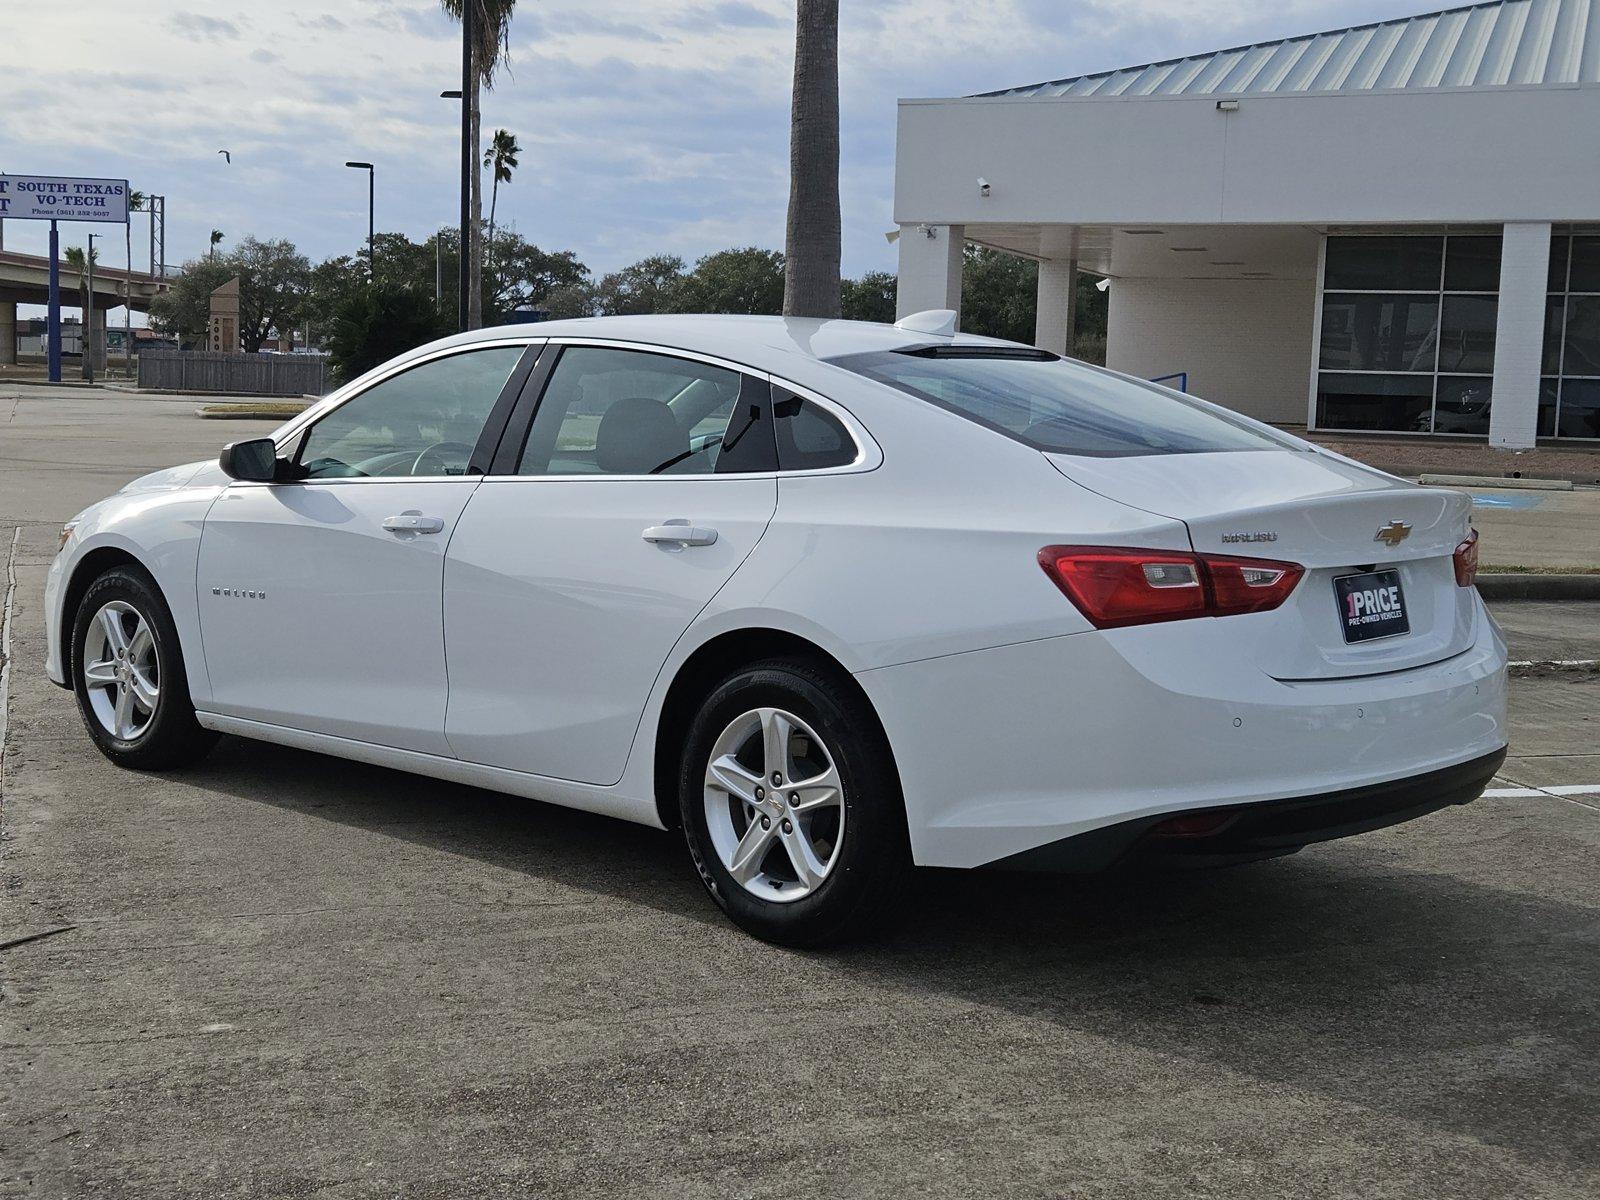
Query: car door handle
{"points": [[680, 533], [413, 523]]}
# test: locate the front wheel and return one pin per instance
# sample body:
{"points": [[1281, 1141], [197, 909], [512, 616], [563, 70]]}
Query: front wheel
{"points": [[127, 673], [792, 808]]}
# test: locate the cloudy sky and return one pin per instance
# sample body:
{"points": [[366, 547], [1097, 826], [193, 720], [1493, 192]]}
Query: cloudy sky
{"points": [[648, 125]]}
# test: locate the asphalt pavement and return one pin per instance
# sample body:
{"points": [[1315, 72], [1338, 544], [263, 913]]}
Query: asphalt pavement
{"points": [[282, 974]]}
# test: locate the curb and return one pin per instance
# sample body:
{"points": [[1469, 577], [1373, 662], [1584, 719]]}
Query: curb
{"points": [[244, 414], [1497, 481], [1538, 587]]}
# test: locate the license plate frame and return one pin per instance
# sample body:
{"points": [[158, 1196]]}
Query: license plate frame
{"points": [[1371, 606]]}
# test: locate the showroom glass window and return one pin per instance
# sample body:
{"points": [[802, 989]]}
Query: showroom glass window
{"points": [[1407, 337], [1569, 392]]}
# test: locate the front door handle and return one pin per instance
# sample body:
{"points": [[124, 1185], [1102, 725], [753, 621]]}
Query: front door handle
{"points": [[413, 523], [678, 532]]}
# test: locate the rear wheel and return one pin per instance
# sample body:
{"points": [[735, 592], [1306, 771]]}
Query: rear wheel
{"points": [[791, 806], [128, 675]]}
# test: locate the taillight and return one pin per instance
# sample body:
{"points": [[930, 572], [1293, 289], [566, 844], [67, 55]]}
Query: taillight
{"points": [[1466, 560], [1117, 585]]}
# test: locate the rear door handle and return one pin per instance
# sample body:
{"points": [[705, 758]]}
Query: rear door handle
{"points": [[413, 523], [678, 532]]}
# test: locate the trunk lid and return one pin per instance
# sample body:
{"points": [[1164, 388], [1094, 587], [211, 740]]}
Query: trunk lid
{"points": [[1324, 513]]}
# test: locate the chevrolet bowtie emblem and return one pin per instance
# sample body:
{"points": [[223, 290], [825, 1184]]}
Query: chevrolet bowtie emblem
{"points": [[1393, 533]]}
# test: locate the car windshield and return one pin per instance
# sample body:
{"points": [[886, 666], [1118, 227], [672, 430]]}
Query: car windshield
{"points": [[1058, 406]]}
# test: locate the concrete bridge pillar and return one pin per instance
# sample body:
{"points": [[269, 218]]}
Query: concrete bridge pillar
{"points": [[8, 332]]}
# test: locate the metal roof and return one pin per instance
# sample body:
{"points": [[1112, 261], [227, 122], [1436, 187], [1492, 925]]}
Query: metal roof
{"points": [[1504, 42]]}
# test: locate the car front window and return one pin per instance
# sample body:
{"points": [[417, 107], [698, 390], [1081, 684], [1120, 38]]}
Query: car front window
{"points": [[423, 421]]}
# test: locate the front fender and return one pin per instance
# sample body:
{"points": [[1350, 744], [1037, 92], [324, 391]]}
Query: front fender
{"points": [[160, 530]]}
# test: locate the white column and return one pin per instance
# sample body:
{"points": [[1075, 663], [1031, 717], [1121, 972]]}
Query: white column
{"points": [[1056, 313], [1519, 334], [930, 268]]}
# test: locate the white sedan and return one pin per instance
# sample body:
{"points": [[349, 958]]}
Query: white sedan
{"points": [[834, 598]]}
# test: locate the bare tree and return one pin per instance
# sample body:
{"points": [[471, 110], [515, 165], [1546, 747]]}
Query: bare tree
{"points": [[811, 248], [492, 25]]}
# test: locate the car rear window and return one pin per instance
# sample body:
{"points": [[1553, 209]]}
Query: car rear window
{"points": [[1058, 406]]}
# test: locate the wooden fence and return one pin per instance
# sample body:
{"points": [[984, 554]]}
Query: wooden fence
{"points": [[256, 374]]}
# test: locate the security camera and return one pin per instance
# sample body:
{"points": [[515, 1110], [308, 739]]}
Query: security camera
{"points": [[983, 186]]}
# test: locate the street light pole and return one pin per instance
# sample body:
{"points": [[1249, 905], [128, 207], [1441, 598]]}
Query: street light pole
{"points": [[372, 258], [466, 202], [469, 151], [88, 315]]}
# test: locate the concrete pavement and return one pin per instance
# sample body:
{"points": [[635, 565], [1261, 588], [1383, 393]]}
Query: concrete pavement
{"points": [[282, 974]]}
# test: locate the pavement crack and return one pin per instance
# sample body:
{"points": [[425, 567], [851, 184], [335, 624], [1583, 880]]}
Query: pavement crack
{"points": [[35, 937]]}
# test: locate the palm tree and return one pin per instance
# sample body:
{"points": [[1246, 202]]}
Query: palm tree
{"points": [[811, 248], [216, 240], [501, 159], [77, 261], [492, 43], [135, 203]]}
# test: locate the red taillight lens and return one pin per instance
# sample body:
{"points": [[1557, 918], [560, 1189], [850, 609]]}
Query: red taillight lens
{"points": [[1247, 585], [1466, 558], [1115, 585]]}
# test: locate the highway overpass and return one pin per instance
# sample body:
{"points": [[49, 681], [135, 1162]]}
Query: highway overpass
{"points": [[25, 279]]}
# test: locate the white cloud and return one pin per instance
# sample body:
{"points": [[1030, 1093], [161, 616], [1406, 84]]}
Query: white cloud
{"points": [[648, 125]]}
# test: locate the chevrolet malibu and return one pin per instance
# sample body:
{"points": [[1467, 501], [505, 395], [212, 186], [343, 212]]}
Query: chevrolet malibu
{"points": [[833, 598]]}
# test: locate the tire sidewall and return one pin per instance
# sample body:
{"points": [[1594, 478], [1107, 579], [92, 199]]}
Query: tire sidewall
{"points": [[134, 589], [873, 810]]}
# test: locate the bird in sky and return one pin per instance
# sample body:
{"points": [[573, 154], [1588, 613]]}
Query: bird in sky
{"points": [[226, 155]]}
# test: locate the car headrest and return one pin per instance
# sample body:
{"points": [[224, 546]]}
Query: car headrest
{"points": [[637, 435]]}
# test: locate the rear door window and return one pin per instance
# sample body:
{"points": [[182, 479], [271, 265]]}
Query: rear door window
{"points": [[1058, 406], [634, 412]]}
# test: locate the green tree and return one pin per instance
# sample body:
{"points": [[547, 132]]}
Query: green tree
{"points": [[811, 244], [274, 284], [746, 280], [642, 287], [870, 298], [523, 276], [373, 324], [1000, 298], [492, 26], [216, 240], [79, 262], [501, 159]]}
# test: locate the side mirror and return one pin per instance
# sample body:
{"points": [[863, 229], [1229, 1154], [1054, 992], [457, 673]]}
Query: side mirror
{"points": [[254, 461]]}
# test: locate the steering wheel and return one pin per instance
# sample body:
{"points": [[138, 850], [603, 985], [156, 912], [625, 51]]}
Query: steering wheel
{"points": [[436, 453]]}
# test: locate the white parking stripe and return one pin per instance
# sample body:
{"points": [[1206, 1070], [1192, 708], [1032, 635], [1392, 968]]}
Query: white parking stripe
{"points": [[1562, 789], [1555, 662]]}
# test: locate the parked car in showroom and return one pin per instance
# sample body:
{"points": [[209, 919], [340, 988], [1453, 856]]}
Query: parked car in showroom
{"points": [[833, 598]]}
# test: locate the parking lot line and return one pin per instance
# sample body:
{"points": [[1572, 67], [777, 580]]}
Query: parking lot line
{"points": [[1561, 789]]}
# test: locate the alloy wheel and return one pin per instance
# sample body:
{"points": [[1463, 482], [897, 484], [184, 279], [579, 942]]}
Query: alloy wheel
{"points": [[121, 672], [774, 804]]}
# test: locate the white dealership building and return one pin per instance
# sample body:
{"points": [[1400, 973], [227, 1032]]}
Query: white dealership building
{"points": [[1393, 227]]}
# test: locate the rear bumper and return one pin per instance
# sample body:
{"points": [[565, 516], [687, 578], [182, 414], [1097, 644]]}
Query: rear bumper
{"points": [[1265, 829], [1007, 750]]}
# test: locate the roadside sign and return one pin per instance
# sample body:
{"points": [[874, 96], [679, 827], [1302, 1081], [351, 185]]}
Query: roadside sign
{"points": [[64, 198]]}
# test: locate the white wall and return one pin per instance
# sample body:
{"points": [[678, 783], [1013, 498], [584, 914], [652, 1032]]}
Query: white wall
{"points": [[1487, 155], [1245, 343]]}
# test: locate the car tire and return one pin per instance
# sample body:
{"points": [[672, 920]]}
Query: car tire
{"points": [[136, 706], [859, 841]]}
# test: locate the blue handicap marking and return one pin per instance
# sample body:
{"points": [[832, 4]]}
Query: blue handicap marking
{"points": [[1481, 500]]}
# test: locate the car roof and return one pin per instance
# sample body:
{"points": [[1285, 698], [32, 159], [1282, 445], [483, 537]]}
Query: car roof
{"points": [[764, 343]]}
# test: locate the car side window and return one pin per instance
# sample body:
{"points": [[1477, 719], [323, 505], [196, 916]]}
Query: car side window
{"points": [[634, 412], [809, 437], [424, 421]]}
